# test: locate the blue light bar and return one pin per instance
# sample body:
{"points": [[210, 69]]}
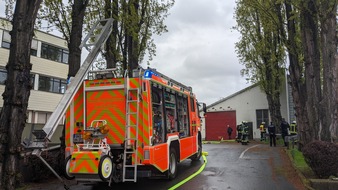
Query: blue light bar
{"points": [[149, 74]]}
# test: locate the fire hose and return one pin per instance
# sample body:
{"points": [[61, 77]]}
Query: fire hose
{"points": [[204, 154]]}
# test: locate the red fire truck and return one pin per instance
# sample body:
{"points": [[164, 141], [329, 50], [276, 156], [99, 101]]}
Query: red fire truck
{"points": [[119, 129], [122, 128]]}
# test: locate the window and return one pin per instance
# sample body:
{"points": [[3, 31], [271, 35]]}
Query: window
{"points": [[54, 53], [32, 80], [6, 40], [49, 84], [183, 115], [192, 104], [42, 117], [3, 76], [65, 55], [34, 47], [262, 115]]}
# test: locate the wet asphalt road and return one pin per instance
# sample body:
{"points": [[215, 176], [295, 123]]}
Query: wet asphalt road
{"points": [[237, 167], [229, 166]]}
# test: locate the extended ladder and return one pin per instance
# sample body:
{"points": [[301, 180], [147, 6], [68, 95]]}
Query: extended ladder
{"points": [[130, 159], [93, 42]]}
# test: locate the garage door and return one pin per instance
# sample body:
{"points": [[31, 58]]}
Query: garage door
{"points": [[216, 125]]}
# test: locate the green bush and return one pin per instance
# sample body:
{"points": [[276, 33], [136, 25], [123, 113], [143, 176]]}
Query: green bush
{"points": [[322, 158]]}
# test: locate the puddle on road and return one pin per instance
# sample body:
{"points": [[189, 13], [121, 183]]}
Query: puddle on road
{"points": [[208, 173]]}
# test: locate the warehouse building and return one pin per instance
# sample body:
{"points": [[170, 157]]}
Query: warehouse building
{"points": [[250, 105]]}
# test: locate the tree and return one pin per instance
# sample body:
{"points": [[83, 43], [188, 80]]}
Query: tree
{"points": [[313, 67], [71, 26], [310, 40], [293, 45], [261, 50], [134, 23], [328, 23], [17, 91], [307, 29]]}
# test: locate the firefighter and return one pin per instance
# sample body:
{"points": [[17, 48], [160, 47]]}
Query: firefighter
{"points": [[293, 128], [245, 133], [263, 131], [239, 133]]}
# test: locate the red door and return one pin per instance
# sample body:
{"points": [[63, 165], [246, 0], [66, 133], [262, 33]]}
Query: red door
{"points": [[216, 125]]}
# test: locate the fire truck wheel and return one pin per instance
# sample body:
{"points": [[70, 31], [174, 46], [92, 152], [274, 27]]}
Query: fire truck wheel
{"points": [[172, 172], [66, 167], [105, 168], [197, 156]]}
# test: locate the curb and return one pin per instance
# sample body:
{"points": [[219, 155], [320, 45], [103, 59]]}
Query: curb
{"points": [[300, 174]]}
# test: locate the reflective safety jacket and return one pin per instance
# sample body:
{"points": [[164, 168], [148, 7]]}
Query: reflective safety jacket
{"points": [[262, 128], [293, 129]]}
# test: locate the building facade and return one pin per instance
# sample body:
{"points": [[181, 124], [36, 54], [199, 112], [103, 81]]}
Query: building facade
{"points": [[250, 105], [49, 58]]}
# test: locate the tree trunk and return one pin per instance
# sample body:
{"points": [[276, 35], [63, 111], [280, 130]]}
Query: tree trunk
{"points": [[310, 42], [330, 69], [133, 36], [78, 12], [295, 69], [17, 91], [272, 91], [111, 54]]}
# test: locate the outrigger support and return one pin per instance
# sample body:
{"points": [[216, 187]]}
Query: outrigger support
{"points": [[37, 152]]}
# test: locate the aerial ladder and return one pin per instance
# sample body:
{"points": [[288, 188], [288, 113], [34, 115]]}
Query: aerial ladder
{"points": [[93, 42]]}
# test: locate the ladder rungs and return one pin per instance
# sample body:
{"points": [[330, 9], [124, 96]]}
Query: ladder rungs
{"points": [[130, 166], [131, 179], [93, 36], [130, 139], [131, 125], [130, 99]]}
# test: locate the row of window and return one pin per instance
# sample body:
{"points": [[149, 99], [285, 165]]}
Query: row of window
{"points": [[47, 84], [47, 51]]}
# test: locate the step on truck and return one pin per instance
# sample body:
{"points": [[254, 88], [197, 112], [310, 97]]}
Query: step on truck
{"points": [[118, 129]]}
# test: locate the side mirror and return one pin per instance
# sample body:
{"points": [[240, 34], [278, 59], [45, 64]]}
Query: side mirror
{"points": [[204, 108]]}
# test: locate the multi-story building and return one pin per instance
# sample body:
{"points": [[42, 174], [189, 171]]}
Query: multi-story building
{"points": [[49, 57]]}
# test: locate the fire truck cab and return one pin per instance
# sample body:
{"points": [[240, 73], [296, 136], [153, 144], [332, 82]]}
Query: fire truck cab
{"points": [[121, 128]]}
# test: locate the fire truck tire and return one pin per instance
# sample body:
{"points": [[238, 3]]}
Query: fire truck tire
{"points": [[66, 169], [172, 171], [197, 156], [105, 168]]}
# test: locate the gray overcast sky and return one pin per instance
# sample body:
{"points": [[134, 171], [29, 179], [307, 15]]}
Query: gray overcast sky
{"points": [[199, 49]]}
